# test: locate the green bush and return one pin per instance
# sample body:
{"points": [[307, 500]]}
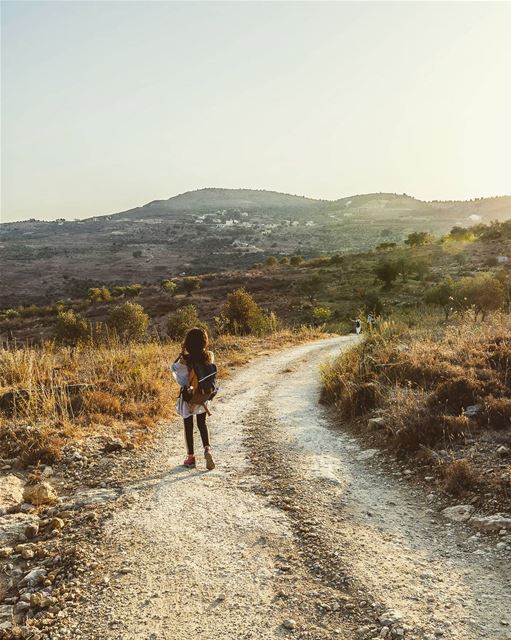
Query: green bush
{"points": [[482, 293], [241, 315], [321, 314], [190, 284], [386, 271], [129, 321], [99, 294], [296, 260], [182, 321], [133, 290], [71, 328], [169, 286]]}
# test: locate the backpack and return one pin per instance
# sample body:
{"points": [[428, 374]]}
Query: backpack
{"points": [[201, 385]]}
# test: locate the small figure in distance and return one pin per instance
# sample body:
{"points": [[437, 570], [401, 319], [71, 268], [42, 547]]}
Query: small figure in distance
{"points": [[358, 326], [195, 371], [370, 320]]}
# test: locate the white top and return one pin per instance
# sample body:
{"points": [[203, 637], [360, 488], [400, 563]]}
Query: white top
{"points": [[181, 375]]}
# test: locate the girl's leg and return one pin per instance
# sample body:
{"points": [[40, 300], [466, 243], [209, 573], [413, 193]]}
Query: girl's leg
{"points": [[189, 434], [203, 429]]}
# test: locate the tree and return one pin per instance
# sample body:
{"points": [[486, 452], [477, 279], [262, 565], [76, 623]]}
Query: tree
{"points": [[169, 286], [271, 261], [443, 296], [404, 267], [99, 294], [418, 238], [386, 271], [322, 314], [311, 287], [482, 293], [460, 234], [420, 268], [70, 328], [190, 284], [180, 322], [129, 321], [296, 260], [242, 315], [373, 304]]}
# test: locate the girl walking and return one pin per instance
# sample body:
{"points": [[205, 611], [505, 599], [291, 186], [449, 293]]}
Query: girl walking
{"points": [[193, 358]]}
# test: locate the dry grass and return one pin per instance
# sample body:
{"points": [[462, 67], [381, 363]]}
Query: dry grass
{"points": [[51, 394], [461, 476], [421, 380]]}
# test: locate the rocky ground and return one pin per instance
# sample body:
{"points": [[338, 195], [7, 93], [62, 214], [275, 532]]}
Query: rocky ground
{"points": [[300, 532]]}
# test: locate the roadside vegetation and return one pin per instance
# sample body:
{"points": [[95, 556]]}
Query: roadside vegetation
{"points": [[436, 395], [111, 378]]}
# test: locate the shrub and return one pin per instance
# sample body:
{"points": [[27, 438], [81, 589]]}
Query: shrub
{"points": [[418, 238], [460, 476], [180, 322], [322, 314], [311, 287], [386, 246], [118, 291], [373, 304], [242, 315], [169, 286], [99, 294], [272, 261], [482, 293], [386, 271], [443, 296], [71, 328], [284, 261], [132, 290], [137, 253], [497, 413], [129, 321], [296, 260], [190, 284]]}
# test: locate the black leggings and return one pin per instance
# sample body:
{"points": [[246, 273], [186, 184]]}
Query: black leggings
{"points": [[203, 429]]}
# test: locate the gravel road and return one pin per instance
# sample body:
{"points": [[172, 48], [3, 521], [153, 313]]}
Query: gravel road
{"points": [[300, 532]]}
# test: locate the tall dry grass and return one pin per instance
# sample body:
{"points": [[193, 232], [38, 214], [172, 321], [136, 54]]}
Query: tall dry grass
{"points": [[51, 394], [422, 379]]}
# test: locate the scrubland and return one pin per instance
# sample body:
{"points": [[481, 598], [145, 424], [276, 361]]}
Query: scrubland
{"points": [[435, 394]]}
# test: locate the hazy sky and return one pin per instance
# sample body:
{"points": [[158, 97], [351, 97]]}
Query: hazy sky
{"points": [[108, 105]]}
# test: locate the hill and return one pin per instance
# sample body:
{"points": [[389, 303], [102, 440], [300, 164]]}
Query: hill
{"points": [[211, 230], [213, 200]]}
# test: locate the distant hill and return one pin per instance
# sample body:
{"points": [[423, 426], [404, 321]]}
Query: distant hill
{"points": [[212, 199], [212, 230]]}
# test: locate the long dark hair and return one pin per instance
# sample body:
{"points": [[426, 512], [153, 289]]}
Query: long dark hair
{"points": [[195, 346]]}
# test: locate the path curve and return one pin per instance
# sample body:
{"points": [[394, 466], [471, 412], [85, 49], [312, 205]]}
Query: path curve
{"points": [[297, 533]]}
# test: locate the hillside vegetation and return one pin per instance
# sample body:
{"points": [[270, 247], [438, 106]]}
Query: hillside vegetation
{"points": [[211, 230]]}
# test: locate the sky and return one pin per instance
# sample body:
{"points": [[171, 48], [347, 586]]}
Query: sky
{"points": [[109, 105]]}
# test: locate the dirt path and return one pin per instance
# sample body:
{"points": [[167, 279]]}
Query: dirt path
{"points": [[299, 532]]}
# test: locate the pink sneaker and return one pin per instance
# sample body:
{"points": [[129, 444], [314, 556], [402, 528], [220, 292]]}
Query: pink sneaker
{"points": [[210, 463], [189, 461]]}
